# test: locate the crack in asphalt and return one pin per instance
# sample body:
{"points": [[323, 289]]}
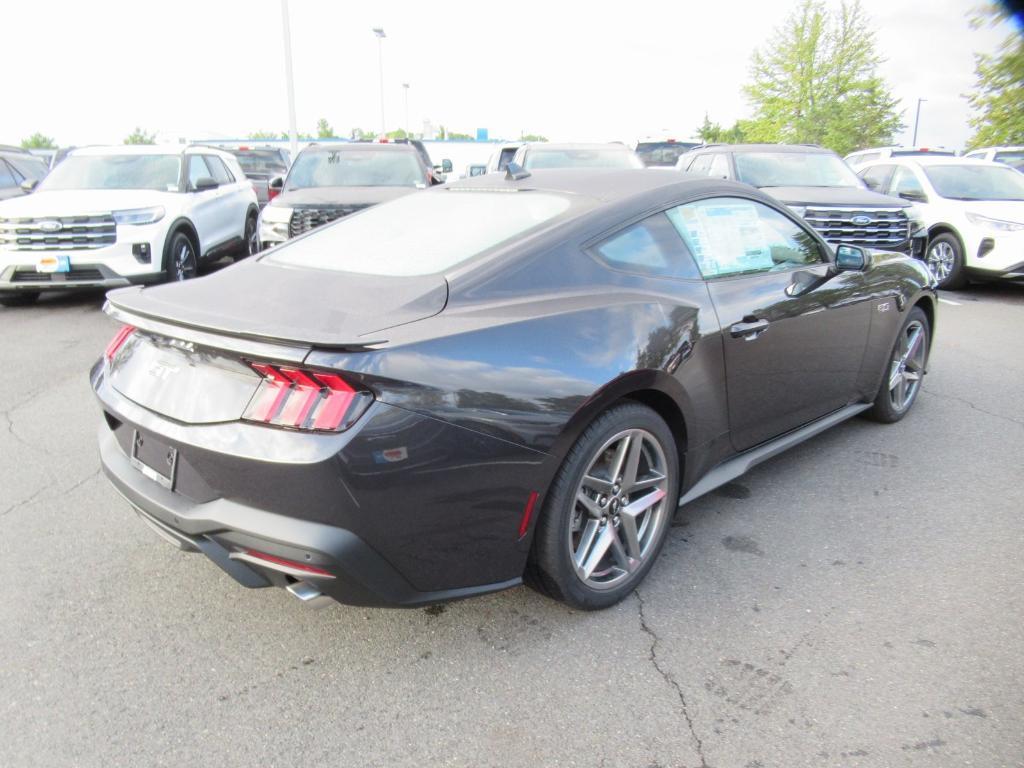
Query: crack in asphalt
{"points": [[669, 678], [39, 492], [965, 401]]}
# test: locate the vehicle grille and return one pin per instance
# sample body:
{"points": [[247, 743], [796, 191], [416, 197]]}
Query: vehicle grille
{"points": [[887, 228], [87, 274], [75, 233], [310, 217]]}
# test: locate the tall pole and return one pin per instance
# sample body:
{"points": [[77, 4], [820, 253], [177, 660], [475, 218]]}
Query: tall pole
{"points": [[289, 82], [917, 119], [379, 32], [408, 133]]}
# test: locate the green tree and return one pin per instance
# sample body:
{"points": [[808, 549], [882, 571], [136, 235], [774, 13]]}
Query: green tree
{"points": [[532, 137], [453, 135], [38, 141], [998, 95], [358, 134], [713, 133], [262, 135], [817, 82], [398, 134], [139, 136], [324, 130]]}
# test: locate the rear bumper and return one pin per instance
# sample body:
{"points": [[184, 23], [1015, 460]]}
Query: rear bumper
{"points": [[401, 510]]}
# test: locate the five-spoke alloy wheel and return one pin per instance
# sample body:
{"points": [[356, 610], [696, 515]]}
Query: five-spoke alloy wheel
{"points": [[907, 365]]}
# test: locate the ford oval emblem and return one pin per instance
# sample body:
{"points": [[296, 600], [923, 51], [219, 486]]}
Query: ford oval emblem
{"points": [[50, 225], [861, 221]]}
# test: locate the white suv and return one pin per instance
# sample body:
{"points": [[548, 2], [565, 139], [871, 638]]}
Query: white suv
{"points": [[1011, 156], [112, 216], [973, 211]]}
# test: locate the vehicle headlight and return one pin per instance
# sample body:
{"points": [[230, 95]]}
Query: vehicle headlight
{"points": [[799, 210], [139, 215], [999, 225], [274, 222]]}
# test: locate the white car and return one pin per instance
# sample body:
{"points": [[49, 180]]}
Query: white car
{"points": [[113, 216], [1011, 156], [859, 159], [973, 210]]}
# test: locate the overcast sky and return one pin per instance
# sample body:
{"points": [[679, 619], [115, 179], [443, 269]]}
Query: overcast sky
{"points": [[89, 72]]}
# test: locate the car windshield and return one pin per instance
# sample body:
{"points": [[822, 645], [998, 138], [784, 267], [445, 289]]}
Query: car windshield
{"points": [[662, 153], [261, 163], [794, 169], [160, 172], [393, 238], [976, 182], [581, 158], [1014, 158], [356, 168]]}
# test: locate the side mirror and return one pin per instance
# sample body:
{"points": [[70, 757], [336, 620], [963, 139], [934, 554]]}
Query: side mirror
{"points": [[206, 183], [871, 184], [276, 183], [28, 185], [446, 166], [851, 258], [914, 196]]}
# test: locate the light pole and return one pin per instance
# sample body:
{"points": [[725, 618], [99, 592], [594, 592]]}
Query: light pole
{"points": [[917, 119], [379, 32], [408, 134], [292, 132]]}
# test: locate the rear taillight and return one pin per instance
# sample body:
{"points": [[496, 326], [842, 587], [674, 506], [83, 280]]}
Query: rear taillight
{"points": [[118, 341], [271, 192], [303, 399]]}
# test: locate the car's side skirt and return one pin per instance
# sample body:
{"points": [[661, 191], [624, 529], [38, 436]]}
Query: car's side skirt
{"points": [[740, 464]]}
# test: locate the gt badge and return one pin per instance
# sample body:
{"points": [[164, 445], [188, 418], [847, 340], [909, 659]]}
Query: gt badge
{"points": [[883, 306]]}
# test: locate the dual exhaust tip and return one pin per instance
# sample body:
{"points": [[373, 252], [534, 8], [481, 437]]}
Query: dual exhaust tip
{"points": [[309, 595]]}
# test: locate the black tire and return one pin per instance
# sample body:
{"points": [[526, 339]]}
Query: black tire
{"points": [[178, 244], [251, 244], [887, 408], [550, 569], [18, 298], [946, 249]]}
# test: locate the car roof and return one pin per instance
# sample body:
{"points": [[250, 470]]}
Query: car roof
{"points": [[808, 149], [555, 147], [362, 145], [930, 160], [997, 149]]}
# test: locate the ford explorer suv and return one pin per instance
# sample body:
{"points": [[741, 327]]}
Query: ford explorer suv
{"points": [[114, 216], [817, 185], [328, 181]]}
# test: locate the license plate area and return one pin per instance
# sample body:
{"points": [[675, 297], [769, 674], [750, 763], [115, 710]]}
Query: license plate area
{"points": [[52, 264], [154, 458]]}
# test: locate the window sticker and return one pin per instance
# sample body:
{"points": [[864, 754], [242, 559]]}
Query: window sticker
{"points": [[725, 237]]}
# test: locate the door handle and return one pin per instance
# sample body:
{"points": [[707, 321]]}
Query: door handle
{"points": [[749, 330]]}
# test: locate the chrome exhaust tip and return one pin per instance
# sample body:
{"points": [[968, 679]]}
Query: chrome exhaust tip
{"points": [[309, 595]]}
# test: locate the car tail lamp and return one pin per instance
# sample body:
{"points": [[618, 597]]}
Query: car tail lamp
{"points": [[271, 192], [304, 399], [118, 341]]}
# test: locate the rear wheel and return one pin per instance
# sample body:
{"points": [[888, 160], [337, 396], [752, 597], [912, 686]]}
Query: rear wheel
{"points": [[252, 242], [608, 511], [945, 260], [905, 371], [18, 298], [180, 261]]}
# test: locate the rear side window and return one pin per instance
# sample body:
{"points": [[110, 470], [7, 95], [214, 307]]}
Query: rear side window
{"points": [[650, 247], [731, 236]]}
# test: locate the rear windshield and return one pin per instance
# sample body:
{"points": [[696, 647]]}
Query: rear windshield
{"points": [[159, 172], [581, 158], [356, 168], [662, 153], [421, 234], [260, 162], [976, 182]]}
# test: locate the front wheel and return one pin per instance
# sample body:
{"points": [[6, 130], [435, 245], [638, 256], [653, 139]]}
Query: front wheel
{"points": [[180, 261], [904, 373], [252, 240], [608, 511], [945, 260]]}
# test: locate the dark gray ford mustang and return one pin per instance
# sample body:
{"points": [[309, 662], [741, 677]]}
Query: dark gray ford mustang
{"points": [[507, 378]]}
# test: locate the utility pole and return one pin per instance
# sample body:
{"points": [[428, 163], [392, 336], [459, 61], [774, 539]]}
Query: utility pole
{"points": [[917, 119], [292, 131], [408, 133], [379, 32]]}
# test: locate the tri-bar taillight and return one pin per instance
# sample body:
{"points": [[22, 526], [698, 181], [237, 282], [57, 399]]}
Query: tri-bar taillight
{"points": [[119, 339], [304, 399]]}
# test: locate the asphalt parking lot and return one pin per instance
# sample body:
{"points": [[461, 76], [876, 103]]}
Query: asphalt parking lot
{"points": [[855, 602]]}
